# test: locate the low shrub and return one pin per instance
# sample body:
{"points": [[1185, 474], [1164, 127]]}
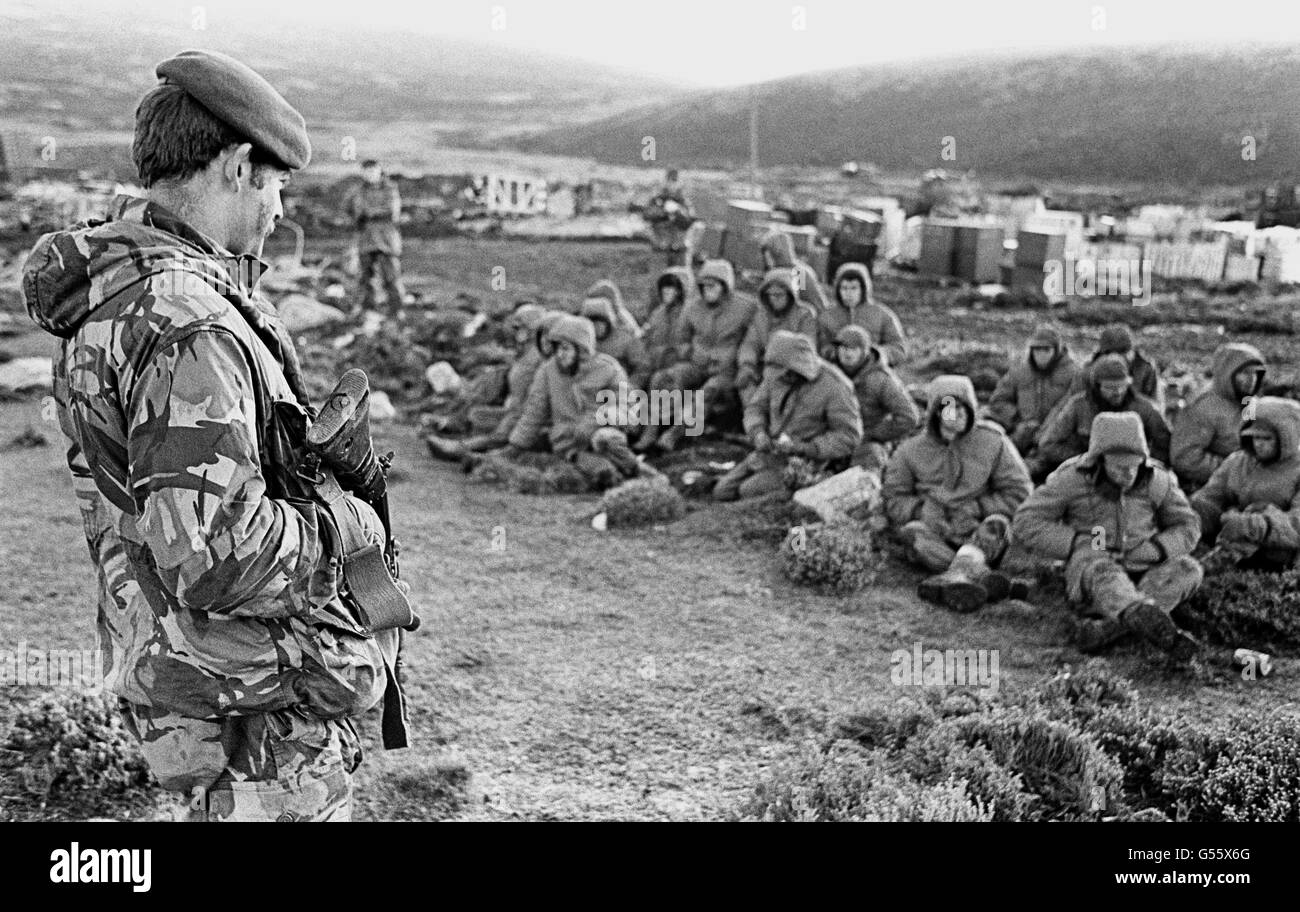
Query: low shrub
{"points": [[847, 783], [1079, 745], [1245, 608], [642, 502], [71, 745], [836, 557]]}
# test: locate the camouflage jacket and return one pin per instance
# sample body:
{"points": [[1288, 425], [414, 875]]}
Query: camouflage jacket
{"points": [[218, 578]]}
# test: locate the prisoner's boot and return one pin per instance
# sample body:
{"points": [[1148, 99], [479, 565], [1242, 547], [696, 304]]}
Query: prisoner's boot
{"points": [[1148, 620], [670, 439], [960, 587], [443, 448], [1094, 634]]}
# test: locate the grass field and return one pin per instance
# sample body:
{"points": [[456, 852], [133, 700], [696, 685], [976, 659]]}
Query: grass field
{"points": [[577, 674]]}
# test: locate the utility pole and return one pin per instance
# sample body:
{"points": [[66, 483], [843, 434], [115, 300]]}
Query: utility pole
{"points": [[753, 142]]}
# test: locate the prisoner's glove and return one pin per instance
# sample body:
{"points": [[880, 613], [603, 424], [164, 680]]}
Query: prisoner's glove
{"points": [[1245, 527], [762, 443]]}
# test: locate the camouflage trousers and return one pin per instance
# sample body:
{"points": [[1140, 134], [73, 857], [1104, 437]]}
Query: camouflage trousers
{"points": [[1098, 586], [283, 766]]}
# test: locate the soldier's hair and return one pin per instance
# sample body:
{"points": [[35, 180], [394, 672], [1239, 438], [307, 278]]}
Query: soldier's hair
{"points": [[176, 137], [370, 163]]}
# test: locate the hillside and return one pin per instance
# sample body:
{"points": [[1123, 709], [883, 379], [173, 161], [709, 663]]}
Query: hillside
{"points": [[1156, 114], [66, 69]]}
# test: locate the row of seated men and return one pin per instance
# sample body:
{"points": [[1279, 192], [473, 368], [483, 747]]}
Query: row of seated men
{"points": [[816, 384]]}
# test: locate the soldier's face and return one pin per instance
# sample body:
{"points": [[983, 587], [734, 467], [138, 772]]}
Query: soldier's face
{"points": [[1264, 445], [1245, 381], [668, 293], [566, 355], [850, 292], [778, 299], [711, 291], [850, 356], [953, 419], [370, 175], [1113, 391], [1041, 355], [257, 209], [1122, 468]]}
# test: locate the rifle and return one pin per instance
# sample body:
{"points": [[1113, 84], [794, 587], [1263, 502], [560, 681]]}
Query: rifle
{"points": [[340, 440]]}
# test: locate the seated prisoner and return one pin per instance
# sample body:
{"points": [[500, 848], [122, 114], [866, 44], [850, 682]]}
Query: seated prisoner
{"points": [[1250, 507], [949, 493], [668, 296], [1125, 531], [617, 332], [1030, 390], [1117, 339], [529, 324], [778, 253], [854, 306], [709, 335], [888, 412], [803, 407], [1208, 430], [564, 408], [1109, 389], [780, 310]]}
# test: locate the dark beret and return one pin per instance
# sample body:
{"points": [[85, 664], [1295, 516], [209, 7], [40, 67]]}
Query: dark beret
{"points": [[234, 93]]}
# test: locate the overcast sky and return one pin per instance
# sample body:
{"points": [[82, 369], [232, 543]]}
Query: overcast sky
{"points": [[731, 42]]}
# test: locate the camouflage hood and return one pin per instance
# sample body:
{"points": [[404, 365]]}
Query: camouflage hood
{"points": [[70, 273]]}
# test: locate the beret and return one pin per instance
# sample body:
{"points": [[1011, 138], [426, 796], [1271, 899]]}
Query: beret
{"points": [[237, 95]]}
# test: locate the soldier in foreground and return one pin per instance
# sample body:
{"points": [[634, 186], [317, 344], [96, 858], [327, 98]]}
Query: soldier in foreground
{"points": [[239, 661], [1125, 531]]}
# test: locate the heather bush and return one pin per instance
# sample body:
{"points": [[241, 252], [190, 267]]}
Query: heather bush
{"points": [[847, 783], [73, 745], [1245, 608], [643, 502], [1079, 746], [835, 557]]}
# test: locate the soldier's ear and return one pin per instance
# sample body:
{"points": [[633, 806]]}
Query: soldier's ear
{"points": [[236, 165]]}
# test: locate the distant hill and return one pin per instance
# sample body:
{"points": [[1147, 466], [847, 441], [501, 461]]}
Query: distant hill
{"points": [[68, 69], [1156, 114]]}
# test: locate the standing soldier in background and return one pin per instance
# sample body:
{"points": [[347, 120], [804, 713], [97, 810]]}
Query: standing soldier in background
{"points": [[375, 209], [670, 215], [225, 624]]}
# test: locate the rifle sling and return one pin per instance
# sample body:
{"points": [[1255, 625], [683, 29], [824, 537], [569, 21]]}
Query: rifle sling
{"points": [[382, 605]]}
